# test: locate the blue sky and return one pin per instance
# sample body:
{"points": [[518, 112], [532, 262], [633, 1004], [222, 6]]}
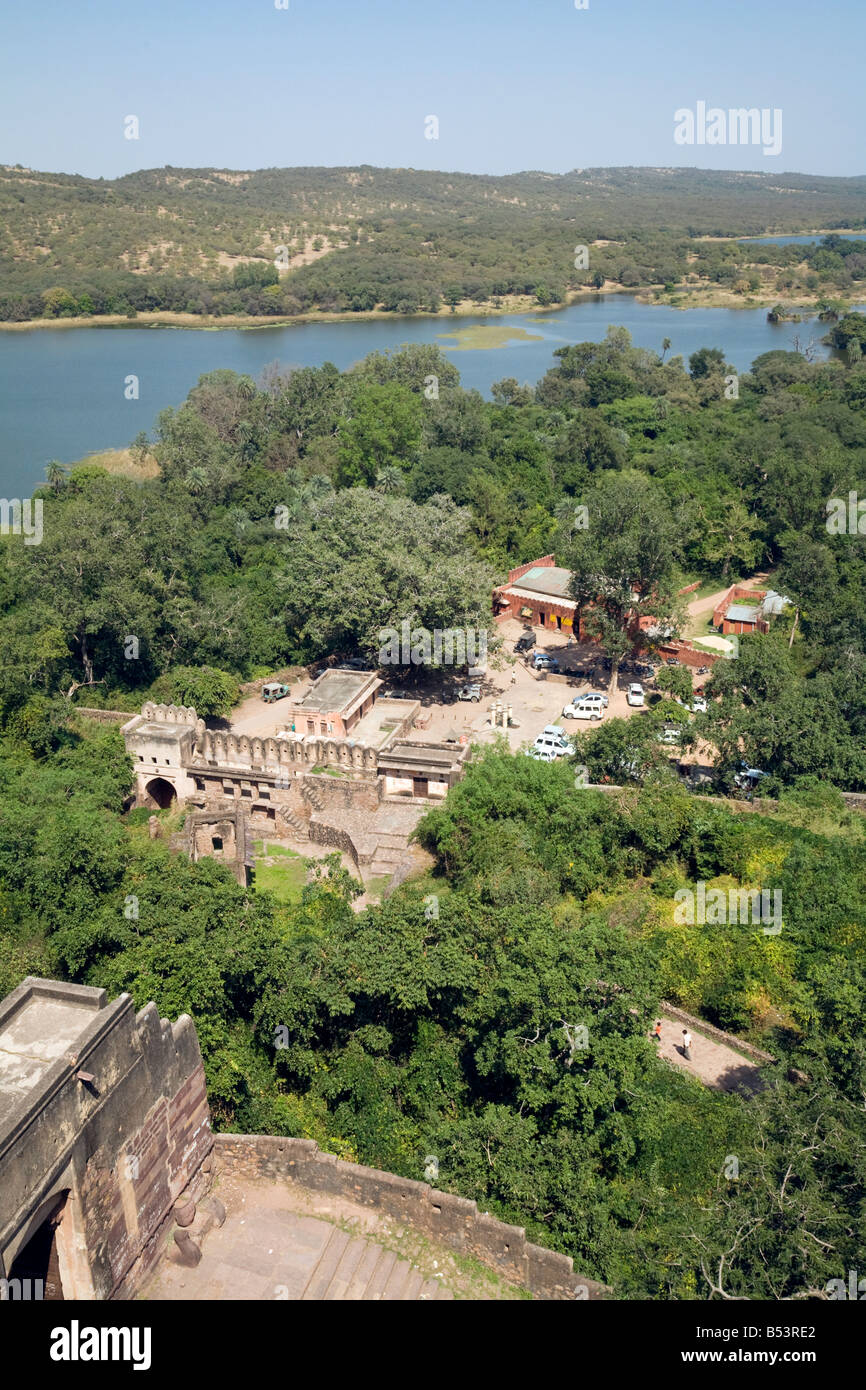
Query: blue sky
{"points": [[515, 84]]}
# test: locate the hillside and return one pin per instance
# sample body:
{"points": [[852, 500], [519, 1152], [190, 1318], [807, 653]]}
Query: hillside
{"points": [[204, 241]]}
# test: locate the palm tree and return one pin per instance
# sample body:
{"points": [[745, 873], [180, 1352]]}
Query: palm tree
{"points": [[56, 475], [317, 487], [389, 479], [197, 480], [666, 347]]}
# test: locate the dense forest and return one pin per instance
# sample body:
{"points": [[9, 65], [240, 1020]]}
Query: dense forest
{"points": [[294, 517], [403, 1034], [281, 242]]}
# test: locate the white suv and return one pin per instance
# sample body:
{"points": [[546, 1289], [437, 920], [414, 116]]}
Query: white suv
{"points": [[552, 740], [587, 707]]}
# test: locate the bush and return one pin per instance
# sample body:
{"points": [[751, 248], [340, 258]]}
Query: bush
{"points": [[211, 692]]}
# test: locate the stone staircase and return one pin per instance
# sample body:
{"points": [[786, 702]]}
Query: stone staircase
{"points": [[310, 792], [299, 825], [389, 853], [351, 1268]]}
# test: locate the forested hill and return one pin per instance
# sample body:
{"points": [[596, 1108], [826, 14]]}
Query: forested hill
{"points": [[204, 240], [708, 202]]}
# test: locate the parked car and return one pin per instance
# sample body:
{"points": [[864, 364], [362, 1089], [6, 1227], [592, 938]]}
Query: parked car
{"points": [[698, 705], [357, 663], [599, 696], [543, 662], [554, 731], [749, 778], [548, 743], [525, 643], [542, 755], [470, 692], [672, 661], [583, 709], [635, 694], [669, 734], [274, 690]]}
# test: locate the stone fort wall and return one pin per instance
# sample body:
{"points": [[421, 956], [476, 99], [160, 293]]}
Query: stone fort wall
{"points": [[115, 1133], [452, 1221], [118, 1148]]}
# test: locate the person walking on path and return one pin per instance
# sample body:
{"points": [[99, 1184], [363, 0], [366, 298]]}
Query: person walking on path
{"points": [[657, 1031], [687, 1045]]}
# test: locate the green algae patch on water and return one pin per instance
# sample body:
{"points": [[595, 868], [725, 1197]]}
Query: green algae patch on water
{"points": [[487, 335]]}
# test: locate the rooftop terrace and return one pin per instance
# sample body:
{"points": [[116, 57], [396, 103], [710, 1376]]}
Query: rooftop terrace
{"points": [[38, 1026], [339, 690]]}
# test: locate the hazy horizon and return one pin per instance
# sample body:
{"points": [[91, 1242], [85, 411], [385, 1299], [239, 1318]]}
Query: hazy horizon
{"points": [[445, 173]]}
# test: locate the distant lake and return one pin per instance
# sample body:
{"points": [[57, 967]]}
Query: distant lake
{"points": [[798, 240], [62, 390]]}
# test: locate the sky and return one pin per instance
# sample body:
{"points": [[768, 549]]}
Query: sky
{"points": [[513, 84]]}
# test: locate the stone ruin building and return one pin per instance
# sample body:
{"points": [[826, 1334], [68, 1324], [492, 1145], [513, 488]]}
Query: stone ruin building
{"points": [[342, 771]]}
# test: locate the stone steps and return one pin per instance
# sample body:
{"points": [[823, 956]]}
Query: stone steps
{"points": [[389, 856], [311, 793], [388, 840], [296, 821], [352, 1269]]}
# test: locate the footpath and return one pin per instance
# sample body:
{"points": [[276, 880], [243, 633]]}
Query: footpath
{"points": [[714, 1063]]}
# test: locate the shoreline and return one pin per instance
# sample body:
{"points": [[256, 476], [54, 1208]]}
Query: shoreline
{"points": [[711, 298], [165, 318], [813, 231]]}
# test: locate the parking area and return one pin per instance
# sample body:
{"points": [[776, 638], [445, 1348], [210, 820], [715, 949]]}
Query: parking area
{"points": [[536, 697]]}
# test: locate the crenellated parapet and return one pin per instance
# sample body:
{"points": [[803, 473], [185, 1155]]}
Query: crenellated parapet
{"points": [[228, 751], [170, 714]]}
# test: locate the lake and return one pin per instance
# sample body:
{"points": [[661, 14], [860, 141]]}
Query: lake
{"points": [[797, 240], [62, 390]]}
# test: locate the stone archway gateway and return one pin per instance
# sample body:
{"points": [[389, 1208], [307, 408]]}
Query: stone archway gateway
{"points": [[159, 792], [35, 1272]]}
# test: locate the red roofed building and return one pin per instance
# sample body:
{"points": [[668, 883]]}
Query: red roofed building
{"points": [[537, 594]]}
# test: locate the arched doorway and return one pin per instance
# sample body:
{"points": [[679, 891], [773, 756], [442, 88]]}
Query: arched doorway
{"points": [[159, 792], [38, 1263]]}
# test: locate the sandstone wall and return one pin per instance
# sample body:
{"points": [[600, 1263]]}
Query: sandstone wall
{"points": [[122, 1145], [102, 716], [452, 1221]]}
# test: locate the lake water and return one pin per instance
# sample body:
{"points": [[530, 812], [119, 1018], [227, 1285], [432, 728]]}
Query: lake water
{"points": [[62, 390], [797, 240]]}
